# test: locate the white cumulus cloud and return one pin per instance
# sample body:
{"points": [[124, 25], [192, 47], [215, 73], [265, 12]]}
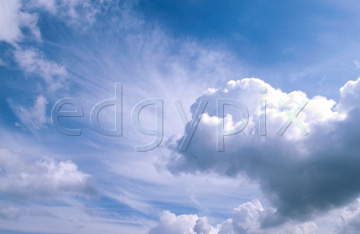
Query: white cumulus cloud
{"points": [[44, 178], [296, 173], [245, 220]]}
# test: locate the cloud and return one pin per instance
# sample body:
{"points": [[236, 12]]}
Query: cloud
{"points": [[9, 212], [73, 12], [33, 117], [246, 216], [349, 96], [2, 62], [357, 64], [16, 15], [9, 22], [13, 19], [30, 20], [245, 219], [349, 218], [34, 62], [300, 176], [44, 178], [71, 219], [349, 225], [182, 224]]}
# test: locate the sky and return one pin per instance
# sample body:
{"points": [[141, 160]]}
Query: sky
{"points": [[183, 117]]}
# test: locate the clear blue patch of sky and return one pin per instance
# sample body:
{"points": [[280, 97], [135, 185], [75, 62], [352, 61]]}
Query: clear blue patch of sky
{"points": [[276, 38], [261, 31]]}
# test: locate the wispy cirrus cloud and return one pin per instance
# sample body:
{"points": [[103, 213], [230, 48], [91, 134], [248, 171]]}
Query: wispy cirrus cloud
{"points": [[34, 117], [34, 63], [80, 49]]}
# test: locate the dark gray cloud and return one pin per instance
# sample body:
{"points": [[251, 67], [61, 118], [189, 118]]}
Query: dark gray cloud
{"points": [[300, 176]]}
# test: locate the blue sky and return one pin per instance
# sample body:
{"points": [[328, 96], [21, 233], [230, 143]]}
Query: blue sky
{"points": [[191, 51]]}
